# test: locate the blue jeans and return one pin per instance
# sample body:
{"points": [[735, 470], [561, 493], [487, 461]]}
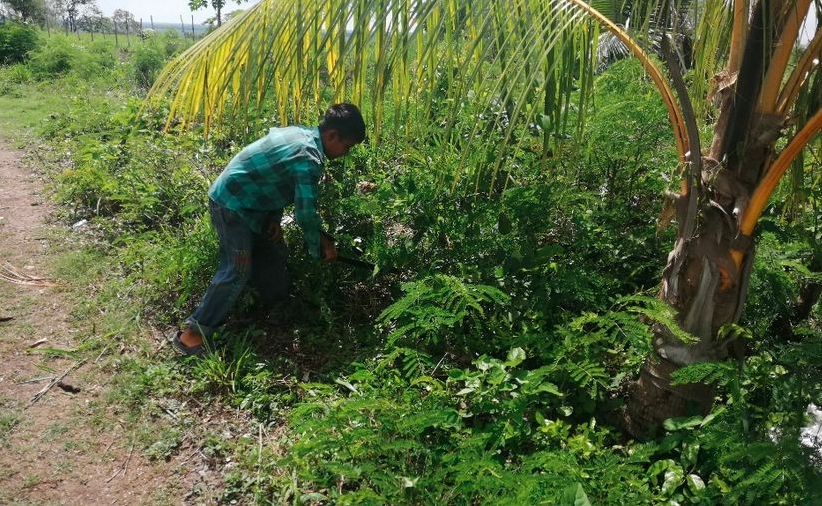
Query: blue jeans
{"points": [[244, 256]]}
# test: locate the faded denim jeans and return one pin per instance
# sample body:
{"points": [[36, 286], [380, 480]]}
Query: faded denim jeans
{"points": [[244, 256]]}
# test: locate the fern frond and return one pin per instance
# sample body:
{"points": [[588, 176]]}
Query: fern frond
{"points": [[658, 311], [589, 375], [413, 364], [720, 373], [439, 305]]}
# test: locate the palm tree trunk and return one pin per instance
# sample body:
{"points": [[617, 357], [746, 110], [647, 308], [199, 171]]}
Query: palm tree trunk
{"points": [[653, 399], [704, 284], [707, 274]]}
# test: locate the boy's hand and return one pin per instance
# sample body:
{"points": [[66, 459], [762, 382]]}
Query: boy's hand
{"points": [[329, 250]]}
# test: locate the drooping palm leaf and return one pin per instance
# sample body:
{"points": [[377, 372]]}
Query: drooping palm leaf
{"points": [[441, 61], [432, 60]]}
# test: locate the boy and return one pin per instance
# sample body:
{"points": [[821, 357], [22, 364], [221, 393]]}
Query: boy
{"points": [[246, 203]]}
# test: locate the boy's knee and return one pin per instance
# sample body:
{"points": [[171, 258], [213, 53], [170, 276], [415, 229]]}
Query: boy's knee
{"points": [[241, 261]]}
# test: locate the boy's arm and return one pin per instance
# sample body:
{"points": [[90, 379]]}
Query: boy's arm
{"points": [[329, 249], [305, 211]]}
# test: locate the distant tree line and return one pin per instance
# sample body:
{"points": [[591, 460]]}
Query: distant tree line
{"points": [[72, 16], [86, 16]]}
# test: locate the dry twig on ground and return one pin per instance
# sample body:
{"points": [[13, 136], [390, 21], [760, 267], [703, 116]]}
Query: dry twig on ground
{"points": [[12, 275], [55, 381]]}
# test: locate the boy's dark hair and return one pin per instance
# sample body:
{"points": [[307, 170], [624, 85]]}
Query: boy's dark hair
{"points": [[346, 119]]}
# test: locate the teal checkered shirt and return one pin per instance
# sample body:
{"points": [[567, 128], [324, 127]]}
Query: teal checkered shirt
{"points": [[280, 169]]}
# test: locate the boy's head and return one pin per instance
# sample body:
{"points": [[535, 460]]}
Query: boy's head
{"points": [[341, 128]]}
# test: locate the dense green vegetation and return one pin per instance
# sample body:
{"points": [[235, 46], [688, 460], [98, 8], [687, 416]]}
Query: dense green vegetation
{"points": [[485, 361]]}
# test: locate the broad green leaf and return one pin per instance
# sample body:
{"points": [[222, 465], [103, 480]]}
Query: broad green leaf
{"points": [[574, 495], [695, 483], [673, 479], [515, 357]]}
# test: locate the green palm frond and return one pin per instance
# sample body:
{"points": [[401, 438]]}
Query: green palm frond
{"points": [[450, 71], [711, 46], [405, 62]]}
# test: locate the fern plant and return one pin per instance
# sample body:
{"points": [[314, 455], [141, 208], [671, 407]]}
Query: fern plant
{"points": [[712, 460], [441, 311], [591, 356]]}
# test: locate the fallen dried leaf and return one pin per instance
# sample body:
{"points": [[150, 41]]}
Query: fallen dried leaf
{"points": [[10, 274]]}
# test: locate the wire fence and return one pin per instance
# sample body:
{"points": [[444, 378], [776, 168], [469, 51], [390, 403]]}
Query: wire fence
{"points": [[127, 30]]}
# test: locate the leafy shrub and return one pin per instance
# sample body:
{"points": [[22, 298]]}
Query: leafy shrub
{"points": [[492, 433], [142, 182], [149, 58], [13, 77], [442, 312], [60, 56], [781, 267], [17, 42], [54, 59], [171, 42], [17, 74], [95, 60], [147, 61]]}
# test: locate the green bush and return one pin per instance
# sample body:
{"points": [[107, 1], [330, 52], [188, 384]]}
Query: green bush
{"points": [[54, 59], [16, 42], [172, 43], [148, 58], [147, 61], [443, 312], [61, 56], [95, 60], [12, 78]]}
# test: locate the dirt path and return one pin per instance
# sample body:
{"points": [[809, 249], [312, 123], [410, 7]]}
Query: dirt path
{"points": [[55, 447]]}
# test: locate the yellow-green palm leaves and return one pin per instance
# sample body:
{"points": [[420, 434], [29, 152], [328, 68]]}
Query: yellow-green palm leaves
{"points": [[460, 65], [405, 62]]}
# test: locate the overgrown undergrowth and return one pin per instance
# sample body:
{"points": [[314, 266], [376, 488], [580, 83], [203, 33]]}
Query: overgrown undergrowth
{"points": [[485, 361]]}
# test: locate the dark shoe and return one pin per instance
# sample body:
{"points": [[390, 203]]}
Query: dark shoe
{"points": [[189, 351]]}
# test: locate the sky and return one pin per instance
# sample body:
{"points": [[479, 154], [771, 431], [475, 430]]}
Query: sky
{"points": [[163, 11]]}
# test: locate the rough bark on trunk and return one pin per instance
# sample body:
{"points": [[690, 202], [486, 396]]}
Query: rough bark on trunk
{"points": [[707, 273], [703, 283], [660, 400]]}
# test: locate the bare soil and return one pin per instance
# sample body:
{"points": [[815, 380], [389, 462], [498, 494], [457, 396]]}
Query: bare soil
{"points": [[57, 445]]}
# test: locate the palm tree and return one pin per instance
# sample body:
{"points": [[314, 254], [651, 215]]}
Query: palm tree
{"points": [[724, 193], [443, 60]]}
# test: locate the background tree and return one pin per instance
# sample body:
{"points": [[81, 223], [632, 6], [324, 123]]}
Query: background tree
{"points": [[27, 10], [90, 19], [217, 5], [428, 63], [124, 21], [69, 12]]}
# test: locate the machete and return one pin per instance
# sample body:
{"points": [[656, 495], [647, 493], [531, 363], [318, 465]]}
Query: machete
{"points": [[348, 260], [355, 263]]}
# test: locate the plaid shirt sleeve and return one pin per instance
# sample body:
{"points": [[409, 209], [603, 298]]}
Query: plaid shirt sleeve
{"points": [[305, 207]]}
